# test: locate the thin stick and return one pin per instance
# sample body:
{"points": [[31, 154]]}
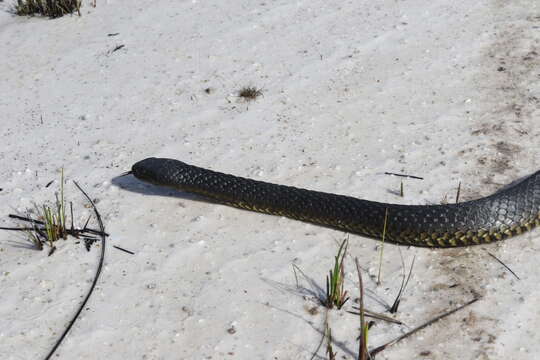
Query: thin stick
{"points": [[503, 264], [93, 231], [17, 228], [458, 192], [118, 47], [87, 221], [94, 282], [404, 175], [398, 339], [374, 315], [382, 247], [124, 250], [22, 218], [401, 189]]}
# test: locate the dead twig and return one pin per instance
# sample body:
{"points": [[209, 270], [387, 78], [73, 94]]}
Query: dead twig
{"points": [[22, 218], [458, 192], [375, 315], [17, 228], [404, 175], [415, 330], [124, 250], [118, 47], [503, 264]]}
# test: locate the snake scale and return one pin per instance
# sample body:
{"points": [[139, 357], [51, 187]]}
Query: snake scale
{"points": [[508, 212]]}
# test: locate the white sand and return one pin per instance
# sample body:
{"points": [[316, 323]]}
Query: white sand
{"points": [[351, 90]]}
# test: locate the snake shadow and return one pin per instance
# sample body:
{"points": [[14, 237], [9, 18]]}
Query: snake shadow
{"points": [[132, 184]]}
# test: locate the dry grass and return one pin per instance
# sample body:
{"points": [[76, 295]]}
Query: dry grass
{"points": [[250, 93], [50, 8]]}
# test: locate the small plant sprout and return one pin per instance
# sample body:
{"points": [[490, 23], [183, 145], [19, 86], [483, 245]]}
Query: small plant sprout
{"points": [[404, 283], [364, 325], [335, 295], [54, 219], [249, 93]]}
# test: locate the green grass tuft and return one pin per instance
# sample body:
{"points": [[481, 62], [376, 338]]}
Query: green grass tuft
{"points": [[335, 295], [54, 220]]}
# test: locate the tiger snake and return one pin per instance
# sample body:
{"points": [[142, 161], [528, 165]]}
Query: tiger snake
{"points": [[510, 211]]}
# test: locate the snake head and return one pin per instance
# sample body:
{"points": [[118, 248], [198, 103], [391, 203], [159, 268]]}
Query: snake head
{"points": [[157, 171]]}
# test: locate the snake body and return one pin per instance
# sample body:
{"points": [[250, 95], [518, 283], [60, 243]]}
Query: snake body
{"points": [[508, 212]]}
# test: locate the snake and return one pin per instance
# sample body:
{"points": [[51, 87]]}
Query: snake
{"points": [[508, 212]]}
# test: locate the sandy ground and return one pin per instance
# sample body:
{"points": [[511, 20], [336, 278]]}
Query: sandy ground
{"points": [[449, 91]]}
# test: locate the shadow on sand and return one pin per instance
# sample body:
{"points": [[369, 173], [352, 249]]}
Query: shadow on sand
{"points": [[131, 183]]}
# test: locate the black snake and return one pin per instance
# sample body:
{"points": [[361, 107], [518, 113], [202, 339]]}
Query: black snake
{"points": [[508, 212]]}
